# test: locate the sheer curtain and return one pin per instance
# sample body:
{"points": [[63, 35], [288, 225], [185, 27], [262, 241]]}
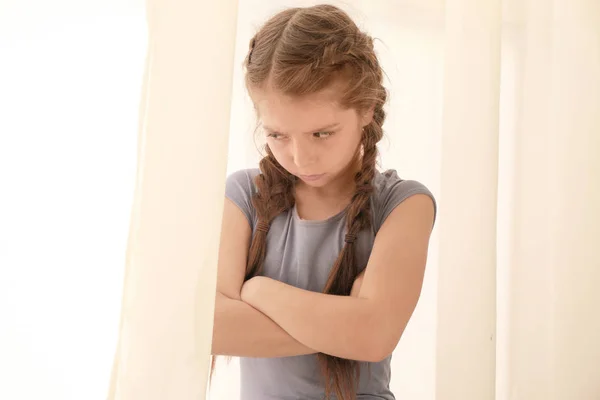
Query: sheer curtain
{"points": [[170, 278], [494, 105]]}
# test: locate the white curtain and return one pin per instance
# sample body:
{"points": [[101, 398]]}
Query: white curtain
{"points": [[554, 264], [170, 277], [494, 105], [465, 358]]}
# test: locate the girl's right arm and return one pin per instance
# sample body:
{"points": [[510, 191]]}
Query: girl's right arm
{"points": [[239, 329]]}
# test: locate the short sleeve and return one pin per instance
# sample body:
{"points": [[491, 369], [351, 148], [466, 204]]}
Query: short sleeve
{"points": [[239, 188], [391, 191]]}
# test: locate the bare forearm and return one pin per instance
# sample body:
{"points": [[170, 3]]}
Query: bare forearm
{"points": [[345, 327], [242, 331]]}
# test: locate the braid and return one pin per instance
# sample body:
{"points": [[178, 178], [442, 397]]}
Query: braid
{"points": [[274, 195], [349, 50]]}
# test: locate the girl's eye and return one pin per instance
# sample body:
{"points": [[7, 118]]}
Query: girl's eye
{"points": [[322, 135], [275, 136]]}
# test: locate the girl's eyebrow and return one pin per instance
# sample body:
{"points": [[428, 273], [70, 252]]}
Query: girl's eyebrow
{"points": [[335, 124]]}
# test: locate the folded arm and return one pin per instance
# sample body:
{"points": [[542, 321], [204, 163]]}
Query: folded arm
{"points": [[242, 331], [369, 326], [239, 329]]}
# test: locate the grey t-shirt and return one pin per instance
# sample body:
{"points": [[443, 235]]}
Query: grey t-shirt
{"points": [[301, 253]]}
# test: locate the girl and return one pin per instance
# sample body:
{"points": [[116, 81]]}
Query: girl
{"points": [[322, 256]]}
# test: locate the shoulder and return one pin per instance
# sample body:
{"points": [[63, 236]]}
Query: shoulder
{"points": [[242, 180], [390, 190], [239, 188]]}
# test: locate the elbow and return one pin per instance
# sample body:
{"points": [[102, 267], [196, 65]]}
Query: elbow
{"points": [[373, 353], [382, 344], [378, 352]]}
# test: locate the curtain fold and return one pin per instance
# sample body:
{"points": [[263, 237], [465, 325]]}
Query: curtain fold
{"points": [[530, 347], [465, 357], [530, 317], [574, 201], [555, 266], [168, 298]]}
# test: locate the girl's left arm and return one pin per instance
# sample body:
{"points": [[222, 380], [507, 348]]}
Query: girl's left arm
{"points": [[369, 326]]}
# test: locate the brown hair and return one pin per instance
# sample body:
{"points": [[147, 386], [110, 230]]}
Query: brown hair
{"points": [[297, 52]]}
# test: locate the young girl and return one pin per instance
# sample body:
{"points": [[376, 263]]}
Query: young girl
{"points": [[322, 256]]}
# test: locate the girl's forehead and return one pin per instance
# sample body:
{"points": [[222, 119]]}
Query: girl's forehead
{"points": [[274, 100], [302, 115], [285, 113]]}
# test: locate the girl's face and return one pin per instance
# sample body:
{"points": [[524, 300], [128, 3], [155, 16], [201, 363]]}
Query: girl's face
{"points": [[312, 137]]}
